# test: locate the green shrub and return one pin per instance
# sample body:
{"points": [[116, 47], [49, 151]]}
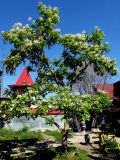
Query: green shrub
{"points": [[111, 146]]}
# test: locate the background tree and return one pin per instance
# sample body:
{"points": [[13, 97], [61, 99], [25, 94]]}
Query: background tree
{"points": [[89, 79], [29, 44]]}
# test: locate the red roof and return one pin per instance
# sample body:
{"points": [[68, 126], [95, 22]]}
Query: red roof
{"points": [[23, 80], [55, 111], [108, 88], [50, 112]]}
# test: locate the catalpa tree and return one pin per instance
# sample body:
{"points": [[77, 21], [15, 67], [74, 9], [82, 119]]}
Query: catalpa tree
{"points": [[29, 44]]}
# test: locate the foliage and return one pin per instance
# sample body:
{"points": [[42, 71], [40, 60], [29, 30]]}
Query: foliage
{"points": [[109, 148], [29, 41], [76, 105], [63, 99]]}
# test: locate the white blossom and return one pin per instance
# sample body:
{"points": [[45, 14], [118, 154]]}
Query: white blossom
{"points": [[27, 25], [55, 8], [101, 91], [33, 98], [28, 42], [30, 19], [18, 96], [33, 22], [40, 18], [57, 30], [83, 32], [36, 41], [96, 27], [17, 25]]}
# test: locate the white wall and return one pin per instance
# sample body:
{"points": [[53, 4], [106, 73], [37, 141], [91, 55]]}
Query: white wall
{"points": [[37, 124]]}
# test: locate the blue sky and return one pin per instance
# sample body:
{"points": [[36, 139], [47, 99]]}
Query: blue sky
{"points": [[75, 15]]}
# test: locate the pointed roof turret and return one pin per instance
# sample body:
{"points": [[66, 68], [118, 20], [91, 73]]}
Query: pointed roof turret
{"points": [[23, 80]]}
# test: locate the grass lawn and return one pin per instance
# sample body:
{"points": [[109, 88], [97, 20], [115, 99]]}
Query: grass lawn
{"points": [[57, 135], [29, 150], [24, 133]]}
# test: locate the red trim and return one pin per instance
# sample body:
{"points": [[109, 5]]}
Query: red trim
{"points": [[55, 112], [50, 112]]}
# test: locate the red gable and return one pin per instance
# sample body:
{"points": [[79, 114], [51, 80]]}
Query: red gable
{"points": [[23, 80], [108, 88]]}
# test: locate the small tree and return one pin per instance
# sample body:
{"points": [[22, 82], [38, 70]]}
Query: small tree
{"points": [[29, 44]]}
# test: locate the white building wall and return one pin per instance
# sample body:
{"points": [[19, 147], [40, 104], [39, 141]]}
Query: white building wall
{"points": [[37, 124]]}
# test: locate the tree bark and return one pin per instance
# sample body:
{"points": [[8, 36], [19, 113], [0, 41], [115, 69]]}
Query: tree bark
{"points": [[64, 138]]}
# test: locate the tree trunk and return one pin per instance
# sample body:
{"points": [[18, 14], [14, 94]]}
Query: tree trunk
{"points": [[64, 138]]}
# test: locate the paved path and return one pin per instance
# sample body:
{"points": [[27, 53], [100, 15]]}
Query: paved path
{"points": [[78, 140]]}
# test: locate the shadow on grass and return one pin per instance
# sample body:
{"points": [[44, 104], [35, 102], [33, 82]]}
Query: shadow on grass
{"points": [[27, 149], [9, 147]]}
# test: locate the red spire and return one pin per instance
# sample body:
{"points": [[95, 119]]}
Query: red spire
{"points": [[24, 78]]}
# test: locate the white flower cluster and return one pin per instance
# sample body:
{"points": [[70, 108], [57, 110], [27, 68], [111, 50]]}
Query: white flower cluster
{"points": [[30, 19], [35, 41], [40, 18], [96, 47], [85, 95], [101, 91], [27, 25], [28, 42], [17, 25], [81, 37], [57, 30], [85, 45], [19, 96], [106, 59], [55, 8]]}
